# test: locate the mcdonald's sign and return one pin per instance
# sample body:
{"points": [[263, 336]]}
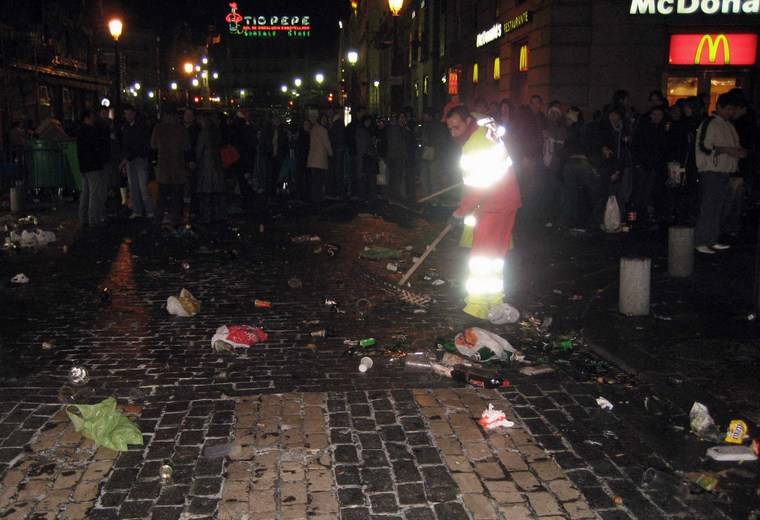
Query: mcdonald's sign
{"points": [[713, 49]]}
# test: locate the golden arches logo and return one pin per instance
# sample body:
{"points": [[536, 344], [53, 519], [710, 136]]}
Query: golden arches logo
{"points": [[713, 45]]}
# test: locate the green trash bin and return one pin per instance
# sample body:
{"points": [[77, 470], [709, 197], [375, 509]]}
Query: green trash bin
{"points": [[73, 175], [45, 164]]}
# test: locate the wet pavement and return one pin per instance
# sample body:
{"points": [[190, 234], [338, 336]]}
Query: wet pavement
{"points": [[290, 429]]}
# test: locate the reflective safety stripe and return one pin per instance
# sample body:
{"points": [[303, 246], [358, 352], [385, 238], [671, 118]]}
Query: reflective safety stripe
{"points": [[486, 276], [470, 221], [484, 168], [481, 285]]}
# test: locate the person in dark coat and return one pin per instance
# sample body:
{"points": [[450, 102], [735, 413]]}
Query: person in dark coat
{"points": [[209, 173], [650, 151], [93, 153]]}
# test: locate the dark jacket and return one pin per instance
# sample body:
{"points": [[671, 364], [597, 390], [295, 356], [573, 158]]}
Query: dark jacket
{"points": [[135, 141], [650, 145], [92, 149]]}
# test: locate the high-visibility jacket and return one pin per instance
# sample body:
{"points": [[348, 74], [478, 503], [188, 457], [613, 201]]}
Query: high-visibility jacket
{"points": [[487, 172]]}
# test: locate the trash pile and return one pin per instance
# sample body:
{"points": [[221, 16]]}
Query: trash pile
{"points": [[476, 357], [184, 305], [736, 443], [24, 233]]}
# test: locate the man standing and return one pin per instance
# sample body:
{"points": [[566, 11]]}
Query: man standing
{"points": [[489, 204], [135, 150], [92, 150], [718, 152], [171, 141]]}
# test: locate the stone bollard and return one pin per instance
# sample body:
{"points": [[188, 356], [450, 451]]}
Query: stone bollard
{"points": [[635, 278], [17, 199], [680, 251]]}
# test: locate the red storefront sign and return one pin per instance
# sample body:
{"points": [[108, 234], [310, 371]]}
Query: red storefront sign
{"points": [[713, 49]]}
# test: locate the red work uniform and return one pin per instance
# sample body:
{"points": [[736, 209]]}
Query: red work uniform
{"points": [[490, 203]]}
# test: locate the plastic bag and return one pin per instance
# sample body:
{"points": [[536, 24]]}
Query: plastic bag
{"points": [[503, 313], [382, 173], [227, 337], [612, 221], [702, 423], [104, 424], [185, 305], [481, 345]]}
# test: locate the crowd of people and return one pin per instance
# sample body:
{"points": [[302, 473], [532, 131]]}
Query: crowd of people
{"points": [[655, 162], [671, 163]]}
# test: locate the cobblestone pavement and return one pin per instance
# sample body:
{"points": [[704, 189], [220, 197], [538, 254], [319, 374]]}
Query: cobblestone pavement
{"points": [[289, 429]]}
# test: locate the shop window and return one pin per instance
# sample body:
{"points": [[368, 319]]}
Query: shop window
{"points": [[523, 67], [719, 86], [475, 74], [453, 83], [497, 68], [680, 87]]}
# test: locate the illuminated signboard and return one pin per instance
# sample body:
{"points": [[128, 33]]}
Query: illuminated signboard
{"points": [[267, 26], [695, 6], [500, 29], [713, 49]]}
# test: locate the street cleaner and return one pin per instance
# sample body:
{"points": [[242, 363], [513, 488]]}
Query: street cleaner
{"points": [[489, 205]]}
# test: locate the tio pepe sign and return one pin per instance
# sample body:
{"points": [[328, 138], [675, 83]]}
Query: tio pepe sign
{"points": [[695, 6], [267, 26]]}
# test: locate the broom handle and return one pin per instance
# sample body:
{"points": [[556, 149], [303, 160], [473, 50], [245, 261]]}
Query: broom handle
{"points": [[429, 250], [441, 192]]}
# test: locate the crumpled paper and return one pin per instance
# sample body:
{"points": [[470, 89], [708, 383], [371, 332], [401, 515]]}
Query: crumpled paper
{"points": [[492, 418], [185, 305], [104, 424]]}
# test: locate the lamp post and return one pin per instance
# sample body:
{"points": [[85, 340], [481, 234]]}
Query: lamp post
{"points": [[395, 6], [115, 27], [353, 58]]}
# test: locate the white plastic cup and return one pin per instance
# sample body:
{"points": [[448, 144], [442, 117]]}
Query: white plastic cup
{"points": [[365, 364]]}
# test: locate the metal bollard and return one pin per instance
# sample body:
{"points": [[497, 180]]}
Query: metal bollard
{"points": [[17, 199], [680, 251], [635, 280]]}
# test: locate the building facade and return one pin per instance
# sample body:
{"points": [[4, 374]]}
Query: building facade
{"points": [[575, 51]]}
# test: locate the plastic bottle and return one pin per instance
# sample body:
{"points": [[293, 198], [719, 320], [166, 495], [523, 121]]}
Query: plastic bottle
{"points": [[478, 378]]}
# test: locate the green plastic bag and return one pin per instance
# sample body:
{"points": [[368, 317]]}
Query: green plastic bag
{"points": [[104, 424], [380, 253]]}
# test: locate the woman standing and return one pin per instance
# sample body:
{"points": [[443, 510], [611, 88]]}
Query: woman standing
{"points": [[319, 152], [210, 187]]}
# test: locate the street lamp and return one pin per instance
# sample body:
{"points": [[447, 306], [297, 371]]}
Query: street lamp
{"points": [[115, 27], [215, 75], [204, 60], [151, 94], [195, 82], [137, 85], [283, 88], [376, 83], [353, 57], [395, 6], [297, 82], [320, 78], [173, 85], [188, 67]]}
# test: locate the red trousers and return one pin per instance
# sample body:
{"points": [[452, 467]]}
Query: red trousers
{"points": [[493, 233]]}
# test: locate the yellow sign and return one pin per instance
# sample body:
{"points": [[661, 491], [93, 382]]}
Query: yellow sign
{"points": [[713, 45]]}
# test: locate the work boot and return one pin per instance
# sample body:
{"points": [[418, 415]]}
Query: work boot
{"points": [[477, 306]]}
